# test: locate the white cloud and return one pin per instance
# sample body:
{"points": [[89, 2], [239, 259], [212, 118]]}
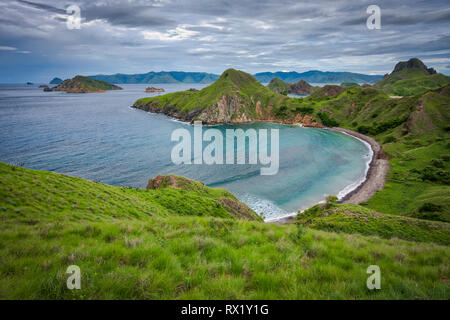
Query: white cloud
{"points": [[5, 48], [177, 34], [260, 25]]}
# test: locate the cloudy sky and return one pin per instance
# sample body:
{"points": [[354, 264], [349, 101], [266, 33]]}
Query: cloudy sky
{"points": [[205, 35]]}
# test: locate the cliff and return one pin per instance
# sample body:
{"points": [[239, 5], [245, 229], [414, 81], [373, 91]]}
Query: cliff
{"points": [[236, 97]]}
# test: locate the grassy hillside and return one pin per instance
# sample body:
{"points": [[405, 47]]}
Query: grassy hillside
{"points": [[352, 218], [279, 86], [130, 244], [415, 135], [234, 98], [411, 77]]}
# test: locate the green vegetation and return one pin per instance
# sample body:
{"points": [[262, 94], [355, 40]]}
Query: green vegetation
{"points": [[130, 244], [235, 97], [411, 78], [352, 218], [279, 86], [349, 84]]}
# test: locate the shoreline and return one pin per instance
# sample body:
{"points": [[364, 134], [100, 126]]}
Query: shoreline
{"points": [[374, 179]]}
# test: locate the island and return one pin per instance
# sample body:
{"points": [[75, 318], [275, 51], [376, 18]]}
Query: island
{"points": [[152, 89], [81, 84]]}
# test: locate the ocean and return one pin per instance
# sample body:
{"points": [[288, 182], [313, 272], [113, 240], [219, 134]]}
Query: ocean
{"points": [[97, 136]]}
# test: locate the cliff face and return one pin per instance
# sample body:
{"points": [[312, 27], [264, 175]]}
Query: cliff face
{"points": [[237, 97]]}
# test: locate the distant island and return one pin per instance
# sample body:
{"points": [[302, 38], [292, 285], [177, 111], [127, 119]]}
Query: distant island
{"points": [[81, 84], [56, 81], [313, 76], [152, 89]]}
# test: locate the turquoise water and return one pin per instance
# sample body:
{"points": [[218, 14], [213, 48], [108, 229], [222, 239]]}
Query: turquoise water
{"points": [[99, 137]]}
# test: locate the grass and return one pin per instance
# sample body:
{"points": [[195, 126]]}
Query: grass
{"points": [[129, 245], [352, 218]]}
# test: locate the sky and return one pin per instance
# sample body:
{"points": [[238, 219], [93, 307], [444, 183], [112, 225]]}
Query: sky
{"points": [[124, 36]]}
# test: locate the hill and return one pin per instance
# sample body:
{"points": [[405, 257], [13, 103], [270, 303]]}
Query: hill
{"points": [[236, 97], [411, 77], [80, 84], [180, 243], [159, 77], [279, 86], [315, 76]]}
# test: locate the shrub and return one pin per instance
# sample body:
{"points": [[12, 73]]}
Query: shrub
{"points": [[325, 118], [437, 163], [389, 139], [430, 207]]}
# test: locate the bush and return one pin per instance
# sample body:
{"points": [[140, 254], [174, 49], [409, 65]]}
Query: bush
{"points": [[430, 207], [326, 120], [437, 163], [389, 139]]}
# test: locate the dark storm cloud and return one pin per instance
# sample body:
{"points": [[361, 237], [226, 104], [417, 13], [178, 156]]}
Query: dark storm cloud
{"points": [[205, 35], [42, 6]]}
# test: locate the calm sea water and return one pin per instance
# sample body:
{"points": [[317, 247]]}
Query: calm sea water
{"points": [[98, 136]]}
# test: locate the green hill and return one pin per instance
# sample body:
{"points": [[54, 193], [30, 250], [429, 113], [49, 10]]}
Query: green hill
{"points": [[80, 84], [178, 242], [236, 97], [410, 78], [278, 86]]}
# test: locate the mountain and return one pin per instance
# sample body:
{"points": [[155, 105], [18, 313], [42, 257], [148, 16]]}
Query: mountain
{"points": [[315, 76], [56, 81], [312, 76], [159, 77], [80, 84], [236, 97], [411, 77], [279, 86]]}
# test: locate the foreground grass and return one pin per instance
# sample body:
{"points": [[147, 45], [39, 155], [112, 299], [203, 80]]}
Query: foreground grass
{"points": [[211, 258], [130, 246]]}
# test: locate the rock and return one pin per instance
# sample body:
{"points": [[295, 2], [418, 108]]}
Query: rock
{"points": [[152, 89], [43, 86]]}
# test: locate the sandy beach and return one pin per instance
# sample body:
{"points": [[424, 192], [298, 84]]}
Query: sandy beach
{"points": [[376, 175], [375, 178]]}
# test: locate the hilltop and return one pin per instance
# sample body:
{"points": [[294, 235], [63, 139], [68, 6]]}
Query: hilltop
{"points": [[411, 77], [80, 84], [236, 97], [177, 241], [56, 81]]}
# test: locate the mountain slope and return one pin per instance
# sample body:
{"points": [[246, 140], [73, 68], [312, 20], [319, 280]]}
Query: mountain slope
{"points": [[411, 77], [236, 97]]}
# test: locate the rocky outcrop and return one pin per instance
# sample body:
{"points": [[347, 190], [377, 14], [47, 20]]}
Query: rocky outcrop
{"points": [[413, 63], [302, 87], [152, 89]]}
